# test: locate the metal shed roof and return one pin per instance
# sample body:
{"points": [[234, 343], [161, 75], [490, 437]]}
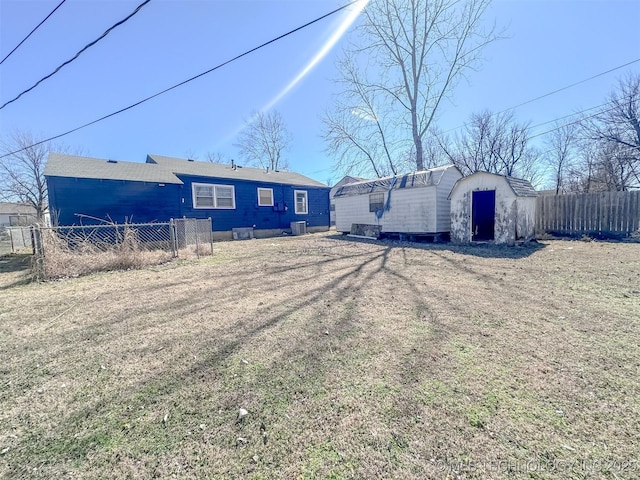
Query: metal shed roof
{"points": [[163, 170], [423, 178], [520, 187]]}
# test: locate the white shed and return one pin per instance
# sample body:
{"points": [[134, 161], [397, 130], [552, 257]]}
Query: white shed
{"points": [[414, 204], [332, 192], [490, 207]]}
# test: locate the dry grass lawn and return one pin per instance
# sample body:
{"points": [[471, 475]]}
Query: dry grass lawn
{"points": [[354, 359]]}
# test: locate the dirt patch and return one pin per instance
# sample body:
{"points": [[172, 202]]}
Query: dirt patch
{"points": [[354, 359]]}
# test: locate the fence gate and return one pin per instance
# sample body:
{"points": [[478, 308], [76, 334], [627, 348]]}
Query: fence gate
{"points": [[193, 232]]}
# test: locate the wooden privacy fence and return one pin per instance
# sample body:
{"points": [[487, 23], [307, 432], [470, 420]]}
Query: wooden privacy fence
{"points": [[607, 214]]}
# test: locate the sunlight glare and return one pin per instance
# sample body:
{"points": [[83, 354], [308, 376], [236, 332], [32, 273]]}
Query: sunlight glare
{"points": [[326, 48]]}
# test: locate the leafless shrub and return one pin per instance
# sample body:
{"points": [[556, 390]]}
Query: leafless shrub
{"points": [[64, 257]]}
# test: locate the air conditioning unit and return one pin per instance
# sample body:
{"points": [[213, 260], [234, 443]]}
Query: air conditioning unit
{"points": [[298, 228]]}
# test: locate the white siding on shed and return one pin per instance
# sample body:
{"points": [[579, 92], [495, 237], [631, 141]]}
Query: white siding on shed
{"points": [[443, 211], [514, 214], [354, 209], [412, 211], [418, 209]]}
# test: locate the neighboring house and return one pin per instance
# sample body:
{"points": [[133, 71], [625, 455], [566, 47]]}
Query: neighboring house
{"points": [[345, 180], [414, 204], [87, 190], [490, 207], [17, 214]]}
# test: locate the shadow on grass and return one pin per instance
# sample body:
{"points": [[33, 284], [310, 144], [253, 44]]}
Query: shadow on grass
{"points": [[483, 250], [15, 270], [307, 350], [302, 362]]}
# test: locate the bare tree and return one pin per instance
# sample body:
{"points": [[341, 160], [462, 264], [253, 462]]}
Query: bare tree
{"points": [[264, 140], [356, 135], [494, 143], [216, 157], [562, 155], [616, 130], [191, 154], [22, 173], [416, 52]]}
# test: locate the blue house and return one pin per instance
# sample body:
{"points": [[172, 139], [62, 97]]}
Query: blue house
{"points": [[89, 190]]}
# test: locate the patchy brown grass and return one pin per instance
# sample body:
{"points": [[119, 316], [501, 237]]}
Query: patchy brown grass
{"points": [[360, 359]]}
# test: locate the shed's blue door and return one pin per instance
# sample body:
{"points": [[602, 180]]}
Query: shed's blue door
{"points": [[483, 208]]}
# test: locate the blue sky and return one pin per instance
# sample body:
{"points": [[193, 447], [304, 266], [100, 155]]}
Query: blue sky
{"points": [[549, 45]]}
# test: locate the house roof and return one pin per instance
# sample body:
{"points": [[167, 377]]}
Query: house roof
{"points": [[519, 186], [62, 165], [219, 170], [423, 178], [162, 170], [346, 179], [8, 208]]}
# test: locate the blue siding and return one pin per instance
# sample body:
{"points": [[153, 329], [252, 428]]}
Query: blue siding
{"points": [[118, 200], [139, 202], [247, 212]]}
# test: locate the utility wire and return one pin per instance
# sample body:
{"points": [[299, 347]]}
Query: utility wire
{"points": [[581, 119], [600, 111], [435, 136], [86, 47], [237, 57], [571, 86], [568, 116], [32, 31]]}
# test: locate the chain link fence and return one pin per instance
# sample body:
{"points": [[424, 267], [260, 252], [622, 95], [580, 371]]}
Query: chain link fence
{"points": [[193, 234], [5, 241], [77, 250], [15, 240]]}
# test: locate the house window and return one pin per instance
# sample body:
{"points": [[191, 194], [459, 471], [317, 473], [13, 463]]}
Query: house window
{"points": [[265, 197], [301, 202], [213, 196], [376, 202]]}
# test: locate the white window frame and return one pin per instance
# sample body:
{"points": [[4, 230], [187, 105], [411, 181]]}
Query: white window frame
{"points": [[214, 188], [376, 195], [306, 202], [270, 190]]}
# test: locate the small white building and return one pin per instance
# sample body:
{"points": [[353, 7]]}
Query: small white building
{"points": [[492, 208], [413, 204], [16, 214], [345, 180]]}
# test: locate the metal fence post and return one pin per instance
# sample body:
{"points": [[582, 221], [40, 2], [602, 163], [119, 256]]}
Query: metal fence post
{"points": [[197, 228], [13, 248], [172, 238], [38, 251], [210, 232]]}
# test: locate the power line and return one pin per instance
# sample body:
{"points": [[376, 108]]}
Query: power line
{"points": [[581, 119], [32, 31], [237, 57], [86, 47], [545, 95], [568, 116], [572, 85]]}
